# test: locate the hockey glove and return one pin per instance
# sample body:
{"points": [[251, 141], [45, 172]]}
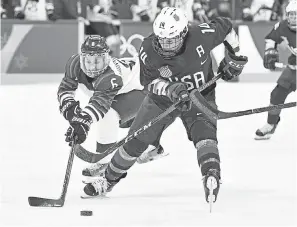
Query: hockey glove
{"points": [[79, 128], [271, 56], [231, 66], [178, 91], [70, 108]]}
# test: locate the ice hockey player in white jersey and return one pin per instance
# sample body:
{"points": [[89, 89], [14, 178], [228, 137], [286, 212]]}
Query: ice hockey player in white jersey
{"points": [[283, 31], [116, 93]]}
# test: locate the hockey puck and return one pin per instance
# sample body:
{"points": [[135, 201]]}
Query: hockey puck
{"points": [[86, 213]]}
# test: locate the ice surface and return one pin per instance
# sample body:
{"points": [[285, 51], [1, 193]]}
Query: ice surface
{"points": [[258, 177]]}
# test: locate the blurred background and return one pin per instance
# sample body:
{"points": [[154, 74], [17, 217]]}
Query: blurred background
{"points": [[38, 36]]}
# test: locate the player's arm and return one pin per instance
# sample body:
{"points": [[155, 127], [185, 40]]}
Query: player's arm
{"points": [[220, 30], [271, 55], [66, 91], [232, 64], [105, 90]]}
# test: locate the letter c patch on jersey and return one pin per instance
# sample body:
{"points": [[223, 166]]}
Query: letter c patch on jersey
{"points": [[113, 84]]}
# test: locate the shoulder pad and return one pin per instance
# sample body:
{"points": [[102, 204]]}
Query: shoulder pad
{"points": [[108, 81], [73, 66], [74, 59], [147, 43]]}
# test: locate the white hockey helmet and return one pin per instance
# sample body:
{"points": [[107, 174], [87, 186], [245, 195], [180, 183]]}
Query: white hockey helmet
{"points": [[170, 28], [291, 13]]}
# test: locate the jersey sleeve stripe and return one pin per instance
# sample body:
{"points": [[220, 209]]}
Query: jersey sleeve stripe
{"points": [[93, 113], [66, 96]]}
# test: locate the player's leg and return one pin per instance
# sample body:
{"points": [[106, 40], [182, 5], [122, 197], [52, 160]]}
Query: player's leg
{"points": [[107, 130], [126, 156], [203, 133], [120, 115], [285, 85], [127, 106]]}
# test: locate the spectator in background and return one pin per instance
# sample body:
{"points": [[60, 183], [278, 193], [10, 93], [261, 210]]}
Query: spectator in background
{"points": [[96, 15], [104, 22], [3, 11], [11, 9], [123, 8], [202, 12], [34, 9], [185, 5], [206, 10], [279, 9], [144, 10], [264, 10]]}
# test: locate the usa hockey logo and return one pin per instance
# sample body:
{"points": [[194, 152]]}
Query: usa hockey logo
{"points": [[165, 71]]}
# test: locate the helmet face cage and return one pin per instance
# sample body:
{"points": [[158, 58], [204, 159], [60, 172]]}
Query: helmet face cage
{"points": [[169, 47], [291, 11], [94, 64], [94, 56], [292, 17]]}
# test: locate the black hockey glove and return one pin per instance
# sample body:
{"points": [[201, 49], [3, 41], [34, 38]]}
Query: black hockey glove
{"points": [[231, 66], [70, 108], [178, 91], [271, 56], [79, 128]]}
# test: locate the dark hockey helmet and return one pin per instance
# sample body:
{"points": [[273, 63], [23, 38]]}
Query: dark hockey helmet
{"points": [[291, 14], [94, 56], [170, 29]]}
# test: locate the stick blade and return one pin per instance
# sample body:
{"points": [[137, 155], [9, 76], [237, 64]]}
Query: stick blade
{"points": [[42, 202]]}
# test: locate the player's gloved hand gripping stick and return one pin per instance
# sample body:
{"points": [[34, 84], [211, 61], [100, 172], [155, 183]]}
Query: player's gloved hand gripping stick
{"points": [[90, 157]]}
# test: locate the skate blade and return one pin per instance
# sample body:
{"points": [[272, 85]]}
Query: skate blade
{"points": [[94, 197], [211, 184], [266, 137], [142, 161], [89, 180]]}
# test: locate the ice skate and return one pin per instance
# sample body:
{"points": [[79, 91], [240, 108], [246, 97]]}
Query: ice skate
{"points": [[95, 187], [152, 154], [96, 169], [265, 132], [211, 182], [99, 186]]}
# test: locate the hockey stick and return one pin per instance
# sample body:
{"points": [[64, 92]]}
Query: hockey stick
{"points": [[91, 157], [214, 114], [43, 202]]}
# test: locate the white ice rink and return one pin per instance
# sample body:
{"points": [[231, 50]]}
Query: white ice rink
{"points": [[258, 177]]}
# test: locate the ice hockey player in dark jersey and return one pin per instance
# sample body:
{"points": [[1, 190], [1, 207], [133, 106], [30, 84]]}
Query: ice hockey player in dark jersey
{"points": [[175, 59], [283, 31], [114, 90]]}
